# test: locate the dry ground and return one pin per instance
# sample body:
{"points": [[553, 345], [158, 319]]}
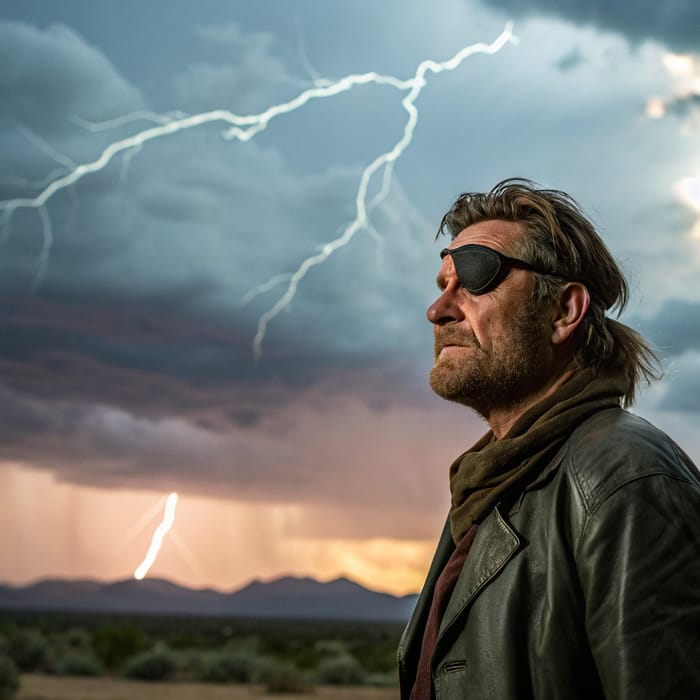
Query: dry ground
{"points": [[36, 687]]}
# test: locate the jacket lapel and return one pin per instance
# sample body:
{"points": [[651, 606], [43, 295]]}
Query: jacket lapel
{"points": [[411, 639], [494, 545]]}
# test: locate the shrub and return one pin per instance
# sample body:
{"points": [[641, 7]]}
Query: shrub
{"points": [[251, 643], [284, 678], [340, 670], [326, 648], [114, 645], [29, 650], [157, 664], [189, 662], [76, 639], [385, 679], [9, 678], [228, 666], [79, 663]]}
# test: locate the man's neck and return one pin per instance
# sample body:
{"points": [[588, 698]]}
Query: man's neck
{"points": [[501, 420]]}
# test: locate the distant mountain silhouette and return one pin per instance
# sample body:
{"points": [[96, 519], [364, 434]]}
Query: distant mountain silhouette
{"points": [[287, 597]]}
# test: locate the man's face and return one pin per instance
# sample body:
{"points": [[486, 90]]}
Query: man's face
{"points": [[492, 349]]}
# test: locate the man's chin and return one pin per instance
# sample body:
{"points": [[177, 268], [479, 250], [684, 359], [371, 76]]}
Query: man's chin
{"points": [[444, 383]]}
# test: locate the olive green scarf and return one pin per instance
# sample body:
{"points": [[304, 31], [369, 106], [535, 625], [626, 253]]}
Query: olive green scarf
{"points": [[492, 469]]}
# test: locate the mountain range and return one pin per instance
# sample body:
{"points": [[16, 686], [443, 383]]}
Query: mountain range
{"points": [[287, 597]]}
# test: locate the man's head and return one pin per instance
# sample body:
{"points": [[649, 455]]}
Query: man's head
{"points": [[537, 303]]}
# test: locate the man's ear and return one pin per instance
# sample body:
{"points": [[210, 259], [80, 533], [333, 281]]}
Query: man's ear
{"points": [[568, 311]]}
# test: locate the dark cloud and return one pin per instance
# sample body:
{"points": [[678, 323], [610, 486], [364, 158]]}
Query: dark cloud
{"points": [[674, 329], [152, 359], [329, 449], [246, 82], [675, 23], [675, 333], [684, 105], [47, 76], [681, 389], [683, 393], [570, 60]]}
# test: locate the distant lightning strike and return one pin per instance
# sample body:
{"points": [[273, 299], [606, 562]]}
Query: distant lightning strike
{"points": [[158, 535], [244, 128]]}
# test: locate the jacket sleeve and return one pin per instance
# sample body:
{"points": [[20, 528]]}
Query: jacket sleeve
{"points": [[638, 558]]}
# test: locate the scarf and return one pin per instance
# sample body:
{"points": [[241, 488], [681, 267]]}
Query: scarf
{"points": [[492, 469]]}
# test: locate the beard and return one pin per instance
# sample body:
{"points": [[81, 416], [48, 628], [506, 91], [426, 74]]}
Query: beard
{"points": [[501, 376]]}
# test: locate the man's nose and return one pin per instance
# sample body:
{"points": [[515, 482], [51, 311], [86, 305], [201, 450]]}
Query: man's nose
{"points": [[446, 309]]}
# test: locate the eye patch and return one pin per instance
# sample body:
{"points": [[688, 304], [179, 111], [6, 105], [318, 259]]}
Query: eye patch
{"points": [[480, 269]]}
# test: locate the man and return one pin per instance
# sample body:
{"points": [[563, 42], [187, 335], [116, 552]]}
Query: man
{"points": [[570, 563]]}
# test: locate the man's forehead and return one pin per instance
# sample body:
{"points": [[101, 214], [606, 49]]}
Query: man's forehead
{"points": [[493, 233]]}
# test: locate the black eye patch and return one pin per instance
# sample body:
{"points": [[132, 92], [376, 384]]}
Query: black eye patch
{"points": [[480, 269]]}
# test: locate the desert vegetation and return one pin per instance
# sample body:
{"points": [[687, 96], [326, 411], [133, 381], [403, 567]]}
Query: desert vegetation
{"points": [[280, 656]]}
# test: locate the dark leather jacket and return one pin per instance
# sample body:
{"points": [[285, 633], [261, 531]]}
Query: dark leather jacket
{"points": [[587, 587]]}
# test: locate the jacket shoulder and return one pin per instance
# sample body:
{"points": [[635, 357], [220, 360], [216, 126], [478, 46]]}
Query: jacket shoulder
{"points": [[614, 448]]}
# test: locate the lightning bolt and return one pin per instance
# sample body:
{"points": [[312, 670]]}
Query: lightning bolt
{"points": [[384, 162], [157, 539], [244, 128]]}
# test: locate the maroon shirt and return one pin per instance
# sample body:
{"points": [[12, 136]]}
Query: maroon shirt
{"points": [[423, 687]]}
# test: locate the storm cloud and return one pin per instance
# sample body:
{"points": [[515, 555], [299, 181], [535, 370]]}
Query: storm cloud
{"points": [[131, 364], [133, 360], [675, 23], [674, 329]]}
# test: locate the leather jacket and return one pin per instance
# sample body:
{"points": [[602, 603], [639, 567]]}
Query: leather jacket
{"points": [[587, 586]]}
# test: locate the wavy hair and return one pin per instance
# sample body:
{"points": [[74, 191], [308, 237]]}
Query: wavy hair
{"points": [[561, 239]]}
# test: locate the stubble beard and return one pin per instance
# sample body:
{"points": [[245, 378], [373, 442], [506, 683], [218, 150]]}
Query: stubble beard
{"points": [[486, 380]]}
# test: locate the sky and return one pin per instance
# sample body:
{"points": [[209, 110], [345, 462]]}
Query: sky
{"points": [[205, 313]]}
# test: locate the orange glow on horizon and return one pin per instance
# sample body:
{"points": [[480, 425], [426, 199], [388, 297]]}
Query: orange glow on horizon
{"points": [[88, 532]]}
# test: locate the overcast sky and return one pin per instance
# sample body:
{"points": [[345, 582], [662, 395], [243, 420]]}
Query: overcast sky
{"points": [[131, 301]]}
